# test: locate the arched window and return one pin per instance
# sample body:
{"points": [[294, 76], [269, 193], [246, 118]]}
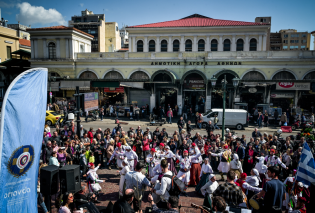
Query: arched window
{"points": [[214, 45], [240, 45], [164, 46], [253, 45], [175, 46], [113, 75], [140, 46], [52, 50], [188, 45], [139, 75], [152, 46], [201, 45], [227, 45], [283, 75]]}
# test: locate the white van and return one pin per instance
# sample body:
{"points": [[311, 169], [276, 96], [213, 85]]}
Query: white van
{"points": [[234, 118]]}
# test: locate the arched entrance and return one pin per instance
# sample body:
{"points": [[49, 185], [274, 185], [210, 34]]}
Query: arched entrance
{"points": [[217, 92], [194, 85], [165, 89], [246, 93], [307, 99], [113, 95]]}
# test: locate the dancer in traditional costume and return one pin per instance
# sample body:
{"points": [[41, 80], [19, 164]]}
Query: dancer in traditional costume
{"points": [[262, 169], [185, 166], [131, 156], [225, 159], [93, 178], [195, 168], [236, 165], [206, 170], [208, 189], [288, 187], [169, 155], [300, 206], [152, 160], [118, 154], [123, 172]]}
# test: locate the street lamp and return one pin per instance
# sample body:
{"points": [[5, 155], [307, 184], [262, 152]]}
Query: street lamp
{"points": [[224, 83], [213, 81], [235, 81]]}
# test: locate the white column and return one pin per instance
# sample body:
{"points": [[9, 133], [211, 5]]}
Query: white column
{"points": [[145, 45], [44, 48], [152, 102], [130, 43], [233, 47], [246, 45], [207, 46], [169, 44], [220, 47], [134, 46], [264, 42], [67, 48], [157, 44], [71, 48], [32, 49], [259, 43], [195, 45], [36, 48], [182, 44], [58, 48]]}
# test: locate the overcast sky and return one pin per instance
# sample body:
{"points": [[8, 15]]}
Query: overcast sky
{"points": [[286, 14]]}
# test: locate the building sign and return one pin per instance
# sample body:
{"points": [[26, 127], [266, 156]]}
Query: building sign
{"points": [[293, 86], [114, 89], [90, 101], [195, 63], [282, 95], [194, 83]]}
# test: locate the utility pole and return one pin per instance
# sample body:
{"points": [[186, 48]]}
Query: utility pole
{"points": [[223, 115], [77, 94]]}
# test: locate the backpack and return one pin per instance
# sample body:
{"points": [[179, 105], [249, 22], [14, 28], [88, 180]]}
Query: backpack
{"points": [[177, 186]]}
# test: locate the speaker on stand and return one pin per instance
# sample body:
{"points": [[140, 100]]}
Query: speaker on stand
{"points": [[49, 182], [70, 180]]}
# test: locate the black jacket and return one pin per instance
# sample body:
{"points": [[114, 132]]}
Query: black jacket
{"points": [[209, 127], [181, 123], [122, 206]]}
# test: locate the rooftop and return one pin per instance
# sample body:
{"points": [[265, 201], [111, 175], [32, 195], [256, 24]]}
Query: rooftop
{"points": [[61, 27], [197, 20], [25, 42]]}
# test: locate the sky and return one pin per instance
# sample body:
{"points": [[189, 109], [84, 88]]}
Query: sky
{"points": [[285, 14]]}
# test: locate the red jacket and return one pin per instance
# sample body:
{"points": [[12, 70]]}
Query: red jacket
{"points": [[90, 135], [206, 147], [146, 145]]}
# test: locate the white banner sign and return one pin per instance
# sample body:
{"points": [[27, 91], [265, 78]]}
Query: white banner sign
{"points": [[293, 86]]}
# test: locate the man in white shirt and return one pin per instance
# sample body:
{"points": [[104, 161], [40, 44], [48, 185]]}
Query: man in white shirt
{"points": [[165, 185]]}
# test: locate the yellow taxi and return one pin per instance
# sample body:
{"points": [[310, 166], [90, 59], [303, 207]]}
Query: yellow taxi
{"points": [[51, 117]]}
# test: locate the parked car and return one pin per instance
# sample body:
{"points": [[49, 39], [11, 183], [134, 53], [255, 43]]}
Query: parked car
{"points": [[234, 118], [51, 117]]}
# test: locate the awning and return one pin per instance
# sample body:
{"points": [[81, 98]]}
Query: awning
{"points": [[138, 85], [54, 86], [71, 85]]}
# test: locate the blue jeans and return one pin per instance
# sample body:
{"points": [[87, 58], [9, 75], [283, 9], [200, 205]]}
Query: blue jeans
{"points": [[259, 123], [179, 130], [199, 125], [216, 126], [170, 120]]}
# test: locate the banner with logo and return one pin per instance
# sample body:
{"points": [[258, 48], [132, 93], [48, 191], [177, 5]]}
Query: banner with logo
{"points": [[293, 86], [21, 133]]}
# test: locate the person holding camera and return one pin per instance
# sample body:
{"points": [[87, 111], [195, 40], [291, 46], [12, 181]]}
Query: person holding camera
{"points": [[172, 205]]}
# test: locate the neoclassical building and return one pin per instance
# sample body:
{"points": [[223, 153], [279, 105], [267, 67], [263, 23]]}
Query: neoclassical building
{"points": [[173, 63]]}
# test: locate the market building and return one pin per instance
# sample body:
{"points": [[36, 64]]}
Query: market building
{"points": [[173, 62]]}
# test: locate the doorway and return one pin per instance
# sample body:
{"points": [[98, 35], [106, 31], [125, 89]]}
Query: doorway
{"points": [[195, 100], [165, 97]]}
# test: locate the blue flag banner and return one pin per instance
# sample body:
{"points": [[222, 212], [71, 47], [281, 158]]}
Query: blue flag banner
{"points": [[306, 170], [21, 134]]}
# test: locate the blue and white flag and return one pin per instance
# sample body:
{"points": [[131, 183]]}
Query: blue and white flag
{"points": [[306, 169], [21, 133]]}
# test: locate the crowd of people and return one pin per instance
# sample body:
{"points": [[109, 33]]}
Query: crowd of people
{"points": [[264, 166]]}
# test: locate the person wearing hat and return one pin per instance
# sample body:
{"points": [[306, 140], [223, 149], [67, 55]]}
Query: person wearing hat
{"points": [[153, 160], [195, 169], [273, 160], [160, 149], [288, 187], [122, 173], [300, 191], [169, 156], [225, 159], [300, 206], [185, 166], [93, 178], [118, 154], [236, 165], [206, 170], [262, 169], [131, 156], [208, 189]]}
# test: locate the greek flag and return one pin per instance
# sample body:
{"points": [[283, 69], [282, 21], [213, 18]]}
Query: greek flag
{"points": [[306, 169]]}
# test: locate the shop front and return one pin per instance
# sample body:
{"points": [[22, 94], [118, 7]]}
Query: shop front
{"points": [[113, 95]]}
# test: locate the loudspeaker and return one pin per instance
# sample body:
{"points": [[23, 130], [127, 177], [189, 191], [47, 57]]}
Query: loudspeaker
{"points": [[49, 180], [70, 180]]}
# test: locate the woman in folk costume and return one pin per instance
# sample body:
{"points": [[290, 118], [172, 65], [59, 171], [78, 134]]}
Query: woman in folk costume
{"points": [[152, 160], [195, 168], [118, 155], [288, 187], [160, 151], [169, 155], [252, 180], [208, 189], [185, 166], [301, 190], [123, 172], [225, 159], [241, 181], [236, 165], [206, 170], [131, 156], [262, 169], [93, 178]]}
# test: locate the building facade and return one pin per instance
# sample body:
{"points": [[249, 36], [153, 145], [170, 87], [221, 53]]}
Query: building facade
{"points": [[293, 40], [173, 63]]}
